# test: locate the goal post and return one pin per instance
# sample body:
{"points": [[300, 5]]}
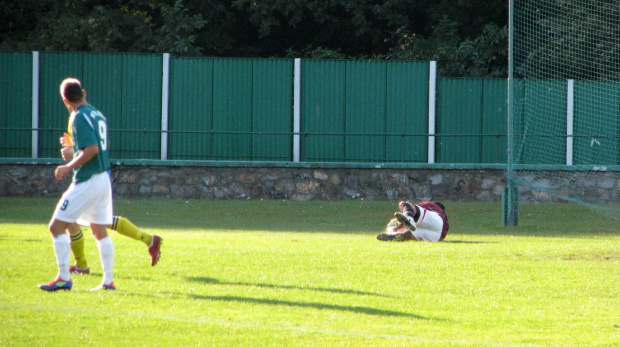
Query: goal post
{"points": [[510, 196]]}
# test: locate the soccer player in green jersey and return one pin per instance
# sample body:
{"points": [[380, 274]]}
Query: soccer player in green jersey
{"points": [[89, 196], [120, 224]]}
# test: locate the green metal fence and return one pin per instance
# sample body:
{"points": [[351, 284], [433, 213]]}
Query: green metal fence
{"points": [[359, 111], [471, 120], [230, 109], [15, 105], [125, 87]]}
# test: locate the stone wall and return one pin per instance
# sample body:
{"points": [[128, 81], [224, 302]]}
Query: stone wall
{"points": [[160, 182]]}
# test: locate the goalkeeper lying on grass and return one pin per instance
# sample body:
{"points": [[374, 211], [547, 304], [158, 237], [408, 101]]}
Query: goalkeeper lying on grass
{"points": [[426, 221]]}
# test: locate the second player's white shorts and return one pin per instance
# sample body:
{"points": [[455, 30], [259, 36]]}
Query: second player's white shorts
{"points": [[89, 201], [429, 226]]}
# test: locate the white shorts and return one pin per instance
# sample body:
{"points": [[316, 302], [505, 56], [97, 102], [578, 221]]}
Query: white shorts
{"points": [[429, 226], [89, 201]]}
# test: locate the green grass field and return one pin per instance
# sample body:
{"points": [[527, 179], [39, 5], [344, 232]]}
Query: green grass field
{"points": [[282, 273]]}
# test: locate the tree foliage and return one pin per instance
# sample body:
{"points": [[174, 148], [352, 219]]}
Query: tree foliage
{"points": [[467, 37], [569, 40], [99, 26]]}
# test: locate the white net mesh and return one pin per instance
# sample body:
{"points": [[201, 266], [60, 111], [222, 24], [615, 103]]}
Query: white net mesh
{"points": [[566, 63]]}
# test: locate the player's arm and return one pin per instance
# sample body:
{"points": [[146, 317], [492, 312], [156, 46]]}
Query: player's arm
{"points": [[83, 156]]}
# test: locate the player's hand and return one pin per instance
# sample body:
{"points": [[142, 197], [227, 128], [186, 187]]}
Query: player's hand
{"points": [[66, 141], [61, 171], [66, 153]]}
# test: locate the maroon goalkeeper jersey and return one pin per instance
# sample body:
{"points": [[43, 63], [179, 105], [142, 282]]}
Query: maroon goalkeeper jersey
{"points": [[431, 206]]}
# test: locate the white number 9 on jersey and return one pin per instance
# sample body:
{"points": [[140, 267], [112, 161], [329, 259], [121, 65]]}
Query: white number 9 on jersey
{"points": [[102, 135]]}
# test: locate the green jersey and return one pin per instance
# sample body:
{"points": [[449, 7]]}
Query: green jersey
{"points": [[89, 127]]}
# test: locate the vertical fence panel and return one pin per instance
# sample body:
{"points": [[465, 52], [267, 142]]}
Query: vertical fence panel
{"points": [[191, 109], [407, 111], [494, 111], [232, 109], [53, 115], [141, 106], [322, 110], [544, 133], [365, 110], [272, 109], [596, 139], [102, 80], [15, 105], [459, 117]]}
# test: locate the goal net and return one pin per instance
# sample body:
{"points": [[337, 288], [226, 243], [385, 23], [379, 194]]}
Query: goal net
{"points": [[566, 101]]}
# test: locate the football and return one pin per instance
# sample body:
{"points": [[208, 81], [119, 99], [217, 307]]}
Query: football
{"points": [[394, 227]]}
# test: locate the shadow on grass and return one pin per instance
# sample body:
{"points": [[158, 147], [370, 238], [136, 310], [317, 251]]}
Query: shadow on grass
{"points": [[19, 239], [209, 280], [461, 241], [354, 309]]}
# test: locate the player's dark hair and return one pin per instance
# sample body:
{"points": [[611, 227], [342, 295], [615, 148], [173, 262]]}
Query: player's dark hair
{"points": [[71, 89], [443, 208]]}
